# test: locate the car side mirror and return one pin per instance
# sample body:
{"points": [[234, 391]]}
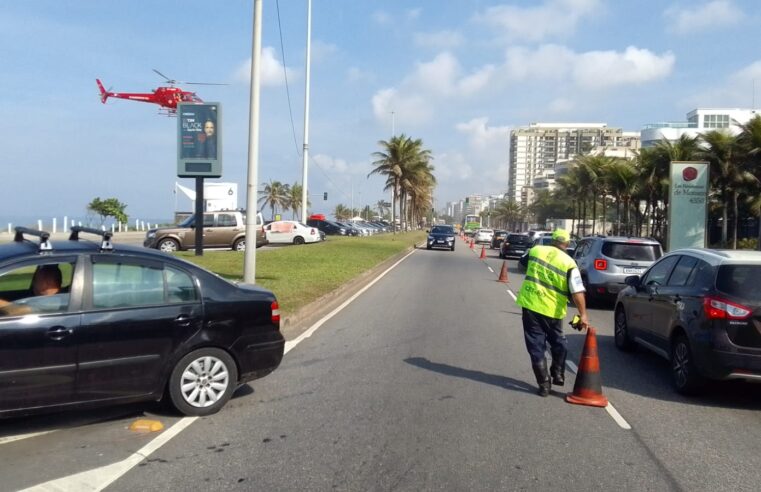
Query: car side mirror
{"points": [[428, 231], [632, 281]]}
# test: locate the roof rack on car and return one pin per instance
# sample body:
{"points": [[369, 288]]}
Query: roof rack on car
{"points": [[43, 235], [105, 245]]}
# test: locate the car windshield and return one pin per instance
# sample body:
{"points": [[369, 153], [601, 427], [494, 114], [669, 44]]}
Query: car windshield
{"points": [[740, 281], [631, 251], [442, 230]]}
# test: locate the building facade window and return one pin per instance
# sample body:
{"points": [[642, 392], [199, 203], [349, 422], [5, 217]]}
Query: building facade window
{"points": [[716, 121]]}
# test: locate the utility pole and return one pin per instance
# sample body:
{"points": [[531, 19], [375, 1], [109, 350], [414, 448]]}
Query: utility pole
{"points": [[304, 191], [249, 258]]}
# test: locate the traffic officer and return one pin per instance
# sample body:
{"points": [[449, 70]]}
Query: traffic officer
{"points": [[551, 278]]}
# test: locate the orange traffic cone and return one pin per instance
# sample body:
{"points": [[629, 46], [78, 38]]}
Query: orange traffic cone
{"points": [[503, 273], [588, 387], [471, 244], [483, 252]]}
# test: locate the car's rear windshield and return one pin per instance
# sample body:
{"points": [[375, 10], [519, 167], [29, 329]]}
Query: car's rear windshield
{"points": [[442, 230], [740, 281], [631, 251], [518, 238]]}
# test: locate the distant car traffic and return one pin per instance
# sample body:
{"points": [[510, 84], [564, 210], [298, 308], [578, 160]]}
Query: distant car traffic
{"points": [[514, 245], [290, 232], [544, 240], [497, 238], [605, 261], [701, 310], [483, 236], [125, 324], [328, 227], [441, 236]]}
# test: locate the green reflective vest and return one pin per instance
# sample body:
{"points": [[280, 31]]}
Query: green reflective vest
{"points": [[545, 288]]}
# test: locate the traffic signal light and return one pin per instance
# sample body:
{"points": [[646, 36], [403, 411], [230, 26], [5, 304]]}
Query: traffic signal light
{"points": [[325, 196]]}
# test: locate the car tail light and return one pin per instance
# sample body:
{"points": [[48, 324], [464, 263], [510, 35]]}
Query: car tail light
{"points": [[601, 264], [312, 232], [275, 313], [716, 308]]}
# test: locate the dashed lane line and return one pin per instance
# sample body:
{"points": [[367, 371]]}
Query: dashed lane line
{"points": [[609, 407], [19, 437], [492, 271]]}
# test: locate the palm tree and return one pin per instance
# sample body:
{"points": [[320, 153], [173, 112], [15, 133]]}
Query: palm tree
{"points": [[342, 212], [509, 213], [293, 199], [275, 195], [399, 153], [622, 179]]}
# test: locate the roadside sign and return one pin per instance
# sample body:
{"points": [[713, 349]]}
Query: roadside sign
{"points": [[199, 140], [688, 202]]}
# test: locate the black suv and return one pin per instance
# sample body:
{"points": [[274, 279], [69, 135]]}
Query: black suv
{"points": [[701, 310], [441, 236], [328, 227], [85, 323], [497, 238], [514, 245]]}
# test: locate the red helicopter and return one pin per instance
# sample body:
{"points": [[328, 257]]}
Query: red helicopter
{"points": [[166, 97]]}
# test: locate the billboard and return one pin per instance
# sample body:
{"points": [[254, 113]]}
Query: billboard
{"points": [[199, 152], [688, 204]]}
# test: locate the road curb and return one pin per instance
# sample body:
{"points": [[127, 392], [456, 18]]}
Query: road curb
{"points": [[297, 323]]}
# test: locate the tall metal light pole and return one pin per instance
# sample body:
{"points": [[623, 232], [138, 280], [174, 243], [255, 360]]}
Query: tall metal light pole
{"points": [[249, 258], [304, 191]]}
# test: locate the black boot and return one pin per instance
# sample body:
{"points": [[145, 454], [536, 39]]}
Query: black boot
{"points": [[557, 370], [542, 378]]}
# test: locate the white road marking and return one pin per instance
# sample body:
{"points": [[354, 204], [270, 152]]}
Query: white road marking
{"points": [[572, 366], [99, 478], [617, 417], [7, 439], [512, 295], [492, 271]]}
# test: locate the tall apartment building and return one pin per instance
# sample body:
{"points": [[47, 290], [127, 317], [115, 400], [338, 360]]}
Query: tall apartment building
{"points": [[699, 120], [535, 149]]}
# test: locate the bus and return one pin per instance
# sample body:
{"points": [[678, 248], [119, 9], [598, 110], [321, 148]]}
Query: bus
{"points": [[471, 223]]}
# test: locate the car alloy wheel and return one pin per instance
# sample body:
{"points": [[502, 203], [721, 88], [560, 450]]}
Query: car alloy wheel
{"points": [[684, 375], [203, 381], [168, 245], [240, 245], [621, 331], [298, 240]]}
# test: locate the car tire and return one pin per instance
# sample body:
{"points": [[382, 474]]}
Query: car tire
{"points": [[240, 244], [298, 240], [621, 331], [684, 375], [452, 248], [168, 245], [427, 247], [190, 385]]}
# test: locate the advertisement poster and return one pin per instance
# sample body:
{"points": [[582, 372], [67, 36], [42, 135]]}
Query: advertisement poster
{"points": [[198, 135], [688, 202]]}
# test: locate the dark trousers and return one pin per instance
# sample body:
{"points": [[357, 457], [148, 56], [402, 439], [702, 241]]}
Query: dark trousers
{"points": [[538, 330]]}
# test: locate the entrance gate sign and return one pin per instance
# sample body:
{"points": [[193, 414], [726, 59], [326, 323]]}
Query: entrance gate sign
{"points": [[688, 204]]}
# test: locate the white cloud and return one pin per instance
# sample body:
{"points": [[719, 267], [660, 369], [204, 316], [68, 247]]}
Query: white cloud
{"points": [[271, 70], [413, 14], [736, 90], [322, 51], [439, 40], [330, 164], [561, 105], [354, 74], [483, 138], [381, 17], [452, 167], [552, 19], [411, 109], [591, 69], [713, 14]]}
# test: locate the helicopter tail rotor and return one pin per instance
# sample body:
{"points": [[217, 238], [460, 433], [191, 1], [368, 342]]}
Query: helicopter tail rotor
{"points": [[103, 92]]}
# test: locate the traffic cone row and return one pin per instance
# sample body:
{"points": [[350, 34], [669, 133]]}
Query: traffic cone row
{"points": [[588, 387], [483, 253]]}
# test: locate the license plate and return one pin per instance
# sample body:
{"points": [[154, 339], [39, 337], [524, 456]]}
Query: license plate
{"points": [[634, 271], [440, 241]]}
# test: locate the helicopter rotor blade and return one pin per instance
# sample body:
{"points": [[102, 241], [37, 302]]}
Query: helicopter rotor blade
{"points": [[202, 83], [167, 78]]}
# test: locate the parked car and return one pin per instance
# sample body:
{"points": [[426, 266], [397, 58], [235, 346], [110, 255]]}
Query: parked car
{"points": [[497, 238], [127, 324], [483, 236], [352, 231], [290, 232], [605, 261], [328, 227], [222, 229], [441, 236], [514, 245], [701, 310], [544, 240]]}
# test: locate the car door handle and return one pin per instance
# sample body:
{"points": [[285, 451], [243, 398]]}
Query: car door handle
{"points": [[59, 332], [182, 320]]}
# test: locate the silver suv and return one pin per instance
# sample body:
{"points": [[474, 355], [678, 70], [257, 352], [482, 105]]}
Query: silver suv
{"points": [[604, 262]]}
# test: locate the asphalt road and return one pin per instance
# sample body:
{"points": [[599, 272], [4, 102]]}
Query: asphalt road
{"points": [[421, 383]]}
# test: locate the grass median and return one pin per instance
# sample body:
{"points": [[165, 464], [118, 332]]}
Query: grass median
{"points": [[299, 275]]}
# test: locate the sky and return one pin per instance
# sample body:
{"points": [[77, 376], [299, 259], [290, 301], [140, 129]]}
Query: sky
{"points": [[459, 75]]}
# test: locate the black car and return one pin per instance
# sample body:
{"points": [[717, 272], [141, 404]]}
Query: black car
{"points": [[328, 227], [544, 241], [701, 310], [441, 236], [125, 324], [351, 230], [497, 238], [514, 245]]}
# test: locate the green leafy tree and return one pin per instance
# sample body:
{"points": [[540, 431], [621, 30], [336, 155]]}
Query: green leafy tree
{"points": [[274, 194], [110, 207]]}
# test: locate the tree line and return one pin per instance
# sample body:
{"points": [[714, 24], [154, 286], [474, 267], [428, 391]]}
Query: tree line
{"points": [[634, 193]]}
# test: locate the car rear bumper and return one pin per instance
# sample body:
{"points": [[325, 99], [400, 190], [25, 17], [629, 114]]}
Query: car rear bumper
{"points": [[728, 364], [257, 359]]}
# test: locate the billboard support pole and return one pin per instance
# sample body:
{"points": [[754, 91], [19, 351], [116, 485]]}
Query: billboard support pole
{"points": [[199, 216]]}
